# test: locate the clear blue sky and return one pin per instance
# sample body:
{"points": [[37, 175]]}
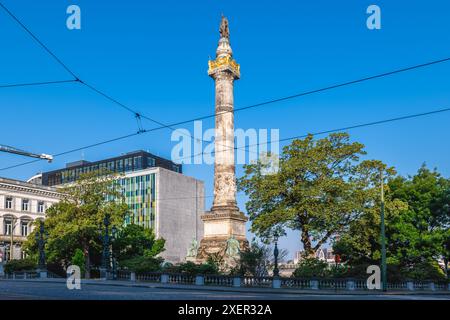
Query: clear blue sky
{"points": [[152, 55]]}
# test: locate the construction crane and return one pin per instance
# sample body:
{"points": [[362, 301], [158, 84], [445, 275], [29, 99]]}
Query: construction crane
{"points": [[42, 156]]}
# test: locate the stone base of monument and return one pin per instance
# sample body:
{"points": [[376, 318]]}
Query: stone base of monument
{"points": [[224, 236]]}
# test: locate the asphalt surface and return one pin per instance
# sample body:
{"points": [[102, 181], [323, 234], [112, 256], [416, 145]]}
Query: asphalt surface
{"points": [[21, 290]]}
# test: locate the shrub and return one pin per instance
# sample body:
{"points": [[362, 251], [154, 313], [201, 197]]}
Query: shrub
{"points": [[79, 260], [311, 268], [425, 271], [19, 265], [193, 268], [142, 264]]}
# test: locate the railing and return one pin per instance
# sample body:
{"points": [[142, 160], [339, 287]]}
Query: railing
{"points": [[360, 284], [221, 281], [253, 282], [257, 281], [397, 285], [149, 276], [181, 278], [123, 275], [421, 285], [22, 275], [332, 284], [297, 283]]}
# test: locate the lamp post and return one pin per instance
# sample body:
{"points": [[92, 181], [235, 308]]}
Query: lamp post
{"points": [[40, 242], [383, 239], [13, 227], [105, 256], [114, 265], [276, 272]]}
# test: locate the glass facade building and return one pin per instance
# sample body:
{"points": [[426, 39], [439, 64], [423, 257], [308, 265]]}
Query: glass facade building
{"points": [[137, 184], [140, 196], [133, 161]]}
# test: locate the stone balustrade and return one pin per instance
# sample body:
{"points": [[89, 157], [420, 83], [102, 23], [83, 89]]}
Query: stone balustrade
{"points": [[257, 282]]}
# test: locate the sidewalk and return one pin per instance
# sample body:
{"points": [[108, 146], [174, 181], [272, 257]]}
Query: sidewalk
{"points": [[156, 285]]}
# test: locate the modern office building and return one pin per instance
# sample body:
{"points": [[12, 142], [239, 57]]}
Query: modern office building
{"points": [[21, 204], [158, 195]]}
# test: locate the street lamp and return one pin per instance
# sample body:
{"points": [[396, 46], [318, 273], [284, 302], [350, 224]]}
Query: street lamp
{"points": [[105, 256], [276, 272], [11, 234], [383, 239], [40, 241], [114, 265]]}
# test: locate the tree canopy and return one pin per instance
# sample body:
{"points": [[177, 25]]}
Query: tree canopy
{"points": [[76, 222], [320, 188]]}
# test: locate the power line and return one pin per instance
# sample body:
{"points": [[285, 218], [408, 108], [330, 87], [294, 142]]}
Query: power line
{"points": [[170, 126], [306, 93], [35, 83], [38, 41], [367, 124], [76, 78]]}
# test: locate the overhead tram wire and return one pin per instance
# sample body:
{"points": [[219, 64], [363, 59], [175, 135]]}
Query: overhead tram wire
{"points": [[77, 79], [367, 124], [361, 125], [38, 41], [170, 126], [311, 92], [29, 84]]}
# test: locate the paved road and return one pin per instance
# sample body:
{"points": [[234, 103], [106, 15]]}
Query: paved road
{"points": [[13, 290]]}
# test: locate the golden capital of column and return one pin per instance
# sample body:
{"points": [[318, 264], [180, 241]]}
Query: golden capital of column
{"points": [[225, 63]]}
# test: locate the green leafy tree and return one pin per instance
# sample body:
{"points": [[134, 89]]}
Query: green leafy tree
{"points": [[257, 260], [77, 220], [20, 265], [417, 227], [79, 260], [320, 188], [311, 268], [423, 227], [136, 241]]}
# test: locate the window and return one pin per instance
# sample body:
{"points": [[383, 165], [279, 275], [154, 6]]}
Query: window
{"points": [[7, 227], [24, 228], [137, 163], [41, 207], [151, 162], [6, 255], [119, 165], [25, 204], [9, 203], [128, 164]]}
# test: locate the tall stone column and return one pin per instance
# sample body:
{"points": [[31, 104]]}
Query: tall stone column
{"points": [[224, 225]]}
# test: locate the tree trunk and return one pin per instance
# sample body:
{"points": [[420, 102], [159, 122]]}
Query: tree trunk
{"points": [[446, 268], [87, 262], [307, 246], [305, 239]]}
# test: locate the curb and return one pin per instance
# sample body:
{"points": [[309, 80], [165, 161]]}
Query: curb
{"points": [[234, 289]]}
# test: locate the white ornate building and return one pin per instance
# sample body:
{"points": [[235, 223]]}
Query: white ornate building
{"points": [[21, 203]]}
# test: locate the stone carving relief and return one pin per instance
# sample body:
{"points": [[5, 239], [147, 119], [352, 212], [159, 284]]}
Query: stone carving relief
{"points": [[224, 186]]}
